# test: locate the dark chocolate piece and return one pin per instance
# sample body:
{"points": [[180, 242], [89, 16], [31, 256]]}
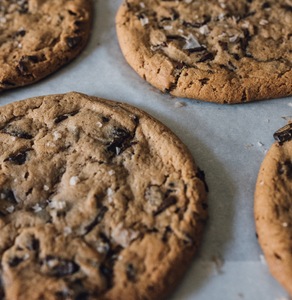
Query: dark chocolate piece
{"points": [[283, 134], [171, 200], [73, 42]]}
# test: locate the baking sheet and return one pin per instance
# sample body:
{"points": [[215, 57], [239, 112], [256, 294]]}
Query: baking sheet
{"points": [[228, 265]]}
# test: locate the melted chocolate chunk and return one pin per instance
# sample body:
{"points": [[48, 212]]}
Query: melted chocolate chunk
{"points": [[283, 134], [236, 56], [59, 119], [33, 58], [204, 81], [120, 140], [206, 56], [15, 262], [130, 271], [201, 175], [193, 24], [7, 83], [223, 45], [105, 271], [62, 267], [22, 68], [8, 195], [197, 49], [286, 169], [19, 33], [18, 159], [16, 131], [97, 220], [105, 120], [73, 42], [171, 200]]}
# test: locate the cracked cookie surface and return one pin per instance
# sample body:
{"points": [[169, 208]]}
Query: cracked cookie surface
{"points": [[98, 200], [273, 207], [214, 50], [37, 37]]}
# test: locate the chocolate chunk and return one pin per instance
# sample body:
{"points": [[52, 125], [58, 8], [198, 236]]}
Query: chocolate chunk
{"points": [[97, 220], [105, 120], [223, 45], [8, 195], [205, 206], [180, 65], [22, 68], [16, 131], [18, 159], [165, 19], [193, 24], [266, 5], [120, 137], [130, 271], [83, 296], [283, 134], [105, 271], [15, 262], [59, 119], [236, 56], [204, 81], [72, 13], [201, 175], [19, 33], [206, 56], [32, 244], [171, 200], [33, 58], [197, 49], [73, 42], [61, 267], [174, 37], [244, 43], [286, 169], [287, 7]]}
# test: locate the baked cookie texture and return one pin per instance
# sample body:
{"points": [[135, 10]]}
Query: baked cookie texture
{"points": [[37, 37], [214, 50], [98, 200], [273, 205]]}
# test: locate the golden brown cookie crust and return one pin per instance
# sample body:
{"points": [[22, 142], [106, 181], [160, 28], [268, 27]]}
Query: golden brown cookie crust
{"points": [[99, 200], [219, 51], [37, 37], [272, 209]]}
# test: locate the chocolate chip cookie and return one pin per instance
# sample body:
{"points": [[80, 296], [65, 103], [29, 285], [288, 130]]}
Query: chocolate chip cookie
{"points": [[214, 50], [273, 203], [98, 200], [37, 37]]}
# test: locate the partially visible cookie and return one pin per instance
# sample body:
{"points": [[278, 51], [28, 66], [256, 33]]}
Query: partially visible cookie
{"points": [[98, 200], [273, 207], [37, 37], [219, 51]]}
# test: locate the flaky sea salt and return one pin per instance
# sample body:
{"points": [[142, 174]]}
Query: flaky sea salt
{"points": [[233, 38], [118, 150], [142, 4], [144, 21], [167, 27], [222, 34], [57, 135], [263, 22], [99, 124], [110, 192], [10, 209], [260, 144], [262, 182], [285, 224], [36, 208], [204, 30], [111, 172], [74, 180], [178, 104], [191, 42], [46, 188], [263, 260], [67, 230]]}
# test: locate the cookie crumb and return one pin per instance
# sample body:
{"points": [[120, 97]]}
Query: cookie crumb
{"points": [[219, 263], [249, 145], [267, 121], [178, 104], [260, 144], [263, 260], [46, 188], [240, 295], [10, 209], [287, 118], [74, 180]]}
